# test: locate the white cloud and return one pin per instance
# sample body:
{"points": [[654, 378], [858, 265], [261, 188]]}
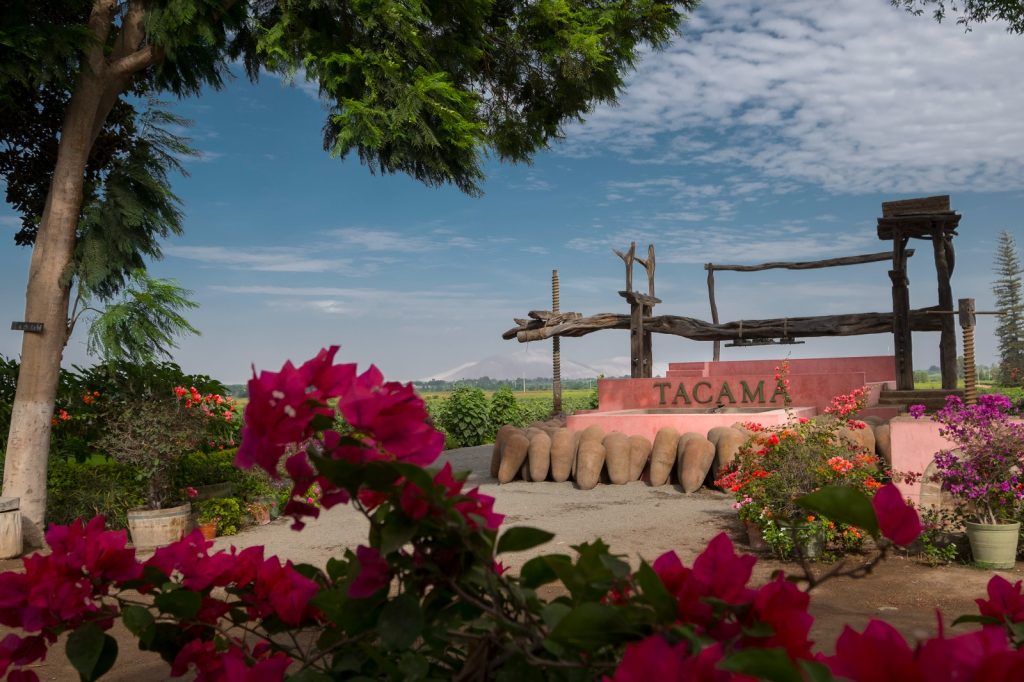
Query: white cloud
{"points": [[783, 242], [10, 221], [853, 96], [538, 250], [399, 242], [265, 259]]}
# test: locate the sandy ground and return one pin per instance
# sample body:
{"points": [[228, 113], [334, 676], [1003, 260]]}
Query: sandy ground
{"points": [[636, 521]]}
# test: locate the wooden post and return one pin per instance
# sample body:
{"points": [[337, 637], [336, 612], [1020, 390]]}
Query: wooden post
{"points": [[637, 352], [556, 351], [902, 340], [717, 352], [966, 310], [947, 339], [640, 354]]}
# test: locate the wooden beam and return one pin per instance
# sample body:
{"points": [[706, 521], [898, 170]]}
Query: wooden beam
{"points": [[808, 265], [919, 206], [699, 330], [918, 226]]}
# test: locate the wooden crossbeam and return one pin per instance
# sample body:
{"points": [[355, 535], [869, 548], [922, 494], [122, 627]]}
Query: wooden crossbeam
{"points": [[808, 265]]}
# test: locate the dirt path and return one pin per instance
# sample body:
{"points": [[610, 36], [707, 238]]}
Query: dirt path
{"points": [[636, 521]]}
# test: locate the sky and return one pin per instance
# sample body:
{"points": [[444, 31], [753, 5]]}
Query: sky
{"points": [[766, 131]]}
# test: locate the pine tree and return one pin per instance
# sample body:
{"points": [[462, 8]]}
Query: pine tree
{"points": [[1010, 302]]}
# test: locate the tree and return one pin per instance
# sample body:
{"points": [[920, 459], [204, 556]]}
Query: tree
{"points": [[424, 87], [1010, 302], [971, 11]]}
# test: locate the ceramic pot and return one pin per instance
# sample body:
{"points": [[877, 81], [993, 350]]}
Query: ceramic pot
{"points": [[994, 545]]}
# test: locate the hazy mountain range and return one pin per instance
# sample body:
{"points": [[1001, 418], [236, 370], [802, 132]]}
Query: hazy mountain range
{"points": [[538, 364]]}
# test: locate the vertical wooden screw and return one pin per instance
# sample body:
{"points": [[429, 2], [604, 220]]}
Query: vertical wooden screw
{"points": [[556, 350]]}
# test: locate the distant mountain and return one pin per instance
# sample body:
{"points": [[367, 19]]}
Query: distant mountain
{"points": [[537, 364]]}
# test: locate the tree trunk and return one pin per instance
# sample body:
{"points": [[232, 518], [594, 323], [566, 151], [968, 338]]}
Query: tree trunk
{"points": [[46, 301]]}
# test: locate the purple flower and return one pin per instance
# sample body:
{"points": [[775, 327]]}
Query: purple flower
{"points": [[917, 411]]}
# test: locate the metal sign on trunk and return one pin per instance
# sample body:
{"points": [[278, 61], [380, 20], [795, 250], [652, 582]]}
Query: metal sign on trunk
{"points": [[36, 327]]}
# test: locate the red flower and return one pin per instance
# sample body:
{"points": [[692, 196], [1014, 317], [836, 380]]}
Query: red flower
{"points": [[1004, 602], [373, 573], [898, 521]]}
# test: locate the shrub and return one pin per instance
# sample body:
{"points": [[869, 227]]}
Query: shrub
{"points": [[152, 435], [465, 416], [85, 489], [226, 512], [504, 410]]}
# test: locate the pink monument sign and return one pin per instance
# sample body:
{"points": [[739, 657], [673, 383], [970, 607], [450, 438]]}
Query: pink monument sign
{"points": [[697, 396]]}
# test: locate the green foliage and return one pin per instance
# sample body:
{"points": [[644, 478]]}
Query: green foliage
{"points": [[1009, 294], [133, 209], [465, 416], [971, 12], [152, 434], [226, 512], [143, 324], [940, 541], [85, 489], [504, 410]]}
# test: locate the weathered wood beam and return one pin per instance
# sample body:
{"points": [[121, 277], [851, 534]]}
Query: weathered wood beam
{"points": [[918, 226], [699, 330], [808, 265], [919, 206]]}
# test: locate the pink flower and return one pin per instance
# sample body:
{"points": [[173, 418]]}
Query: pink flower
{"points": [[897, 520], [1005, 602], [191, 492], [373, 573]]}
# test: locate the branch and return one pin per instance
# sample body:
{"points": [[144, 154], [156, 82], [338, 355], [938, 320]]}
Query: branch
{"points": [[136, 61]]}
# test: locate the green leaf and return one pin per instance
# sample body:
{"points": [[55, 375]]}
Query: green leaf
{"points": [[401, 622], [842, 505], [591, 625], [653, 592], [764, 664], [554, 612], [181, 603], [522, 538], [416, 475], [541, 570], [984, 620], [91, 651], [395, 534], [816, 672], [137, 619]]}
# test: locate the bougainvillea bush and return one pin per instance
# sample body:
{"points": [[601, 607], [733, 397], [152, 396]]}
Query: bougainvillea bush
{"points": [[983, 473], [427, 596]]}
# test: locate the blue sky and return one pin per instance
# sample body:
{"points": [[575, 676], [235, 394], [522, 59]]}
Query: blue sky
{"points": [[767, 131]]}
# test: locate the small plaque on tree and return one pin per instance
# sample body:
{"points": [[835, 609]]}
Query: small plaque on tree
{"points": [[36, 327]]}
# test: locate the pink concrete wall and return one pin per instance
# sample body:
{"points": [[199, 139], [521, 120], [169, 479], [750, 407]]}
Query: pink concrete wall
{"points": [[875, 367], [805, 389], [635, 423], [914, 444]]}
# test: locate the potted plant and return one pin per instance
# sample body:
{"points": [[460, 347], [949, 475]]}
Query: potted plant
{"points": [[151, 435], [780, 464], [983, 473], [224, 512]]}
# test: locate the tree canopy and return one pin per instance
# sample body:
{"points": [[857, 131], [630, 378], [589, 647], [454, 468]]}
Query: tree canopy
{"points": [[424, 87], [970, 12]]}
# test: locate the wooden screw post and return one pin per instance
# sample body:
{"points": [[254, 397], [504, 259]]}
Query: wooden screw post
{"points": [[967, 322], [556, 351]]}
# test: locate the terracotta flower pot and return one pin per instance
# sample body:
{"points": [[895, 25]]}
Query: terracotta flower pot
{"points": [[208, 529], [755, 536]]}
